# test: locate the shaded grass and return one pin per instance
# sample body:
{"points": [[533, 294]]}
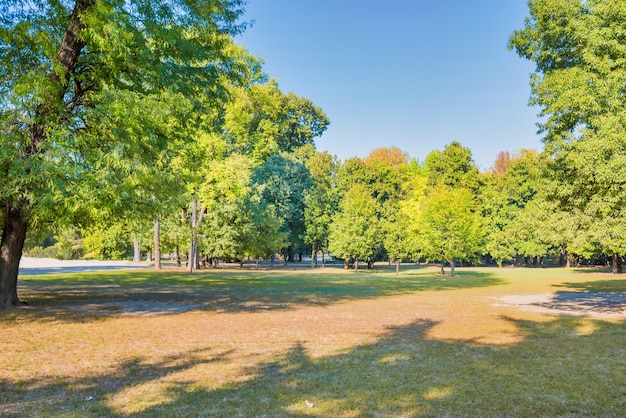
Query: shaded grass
{"points": [[230, 291], [209, 362]]}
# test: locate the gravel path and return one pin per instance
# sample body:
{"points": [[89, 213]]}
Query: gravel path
{"points": [[29, 265]]}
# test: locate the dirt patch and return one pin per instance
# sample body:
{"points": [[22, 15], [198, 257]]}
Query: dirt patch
{"points": [[601, 305]]}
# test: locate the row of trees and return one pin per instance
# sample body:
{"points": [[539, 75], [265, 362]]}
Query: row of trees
{"points": [[386, 206]]}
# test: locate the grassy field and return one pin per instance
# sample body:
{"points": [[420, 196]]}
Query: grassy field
{"points": [[326, 343]]}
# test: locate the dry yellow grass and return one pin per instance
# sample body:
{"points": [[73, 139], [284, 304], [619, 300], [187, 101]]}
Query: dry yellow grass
{"points": [[275, 343]]}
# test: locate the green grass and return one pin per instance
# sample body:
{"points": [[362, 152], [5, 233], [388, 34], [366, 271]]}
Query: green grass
{"points": [[253, 348], [241, 290]]}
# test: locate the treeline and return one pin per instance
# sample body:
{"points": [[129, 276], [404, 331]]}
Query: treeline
{"points": [[297, 201]]}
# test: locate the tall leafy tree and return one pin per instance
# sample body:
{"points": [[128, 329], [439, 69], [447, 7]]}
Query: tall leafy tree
{"points": [[261, 120], [282, 182], [453, 167], [321, 201], [580, 55], [512, 227], [64, 66]]}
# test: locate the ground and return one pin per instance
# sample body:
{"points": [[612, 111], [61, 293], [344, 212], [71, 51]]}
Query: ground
{"points": [[274, 342]]}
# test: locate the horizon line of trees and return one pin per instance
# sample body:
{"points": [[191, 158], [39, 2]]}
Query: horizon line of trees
{"points": [[386, 206]]}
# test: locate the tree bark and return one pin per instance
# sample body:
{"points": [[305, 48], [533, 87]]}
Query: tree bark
{"points": [[616, 264], [11, 246], [178, 262], [313, 254], [191, 261], [136, 249], [157, 243], [452, 267], [397, 266]]}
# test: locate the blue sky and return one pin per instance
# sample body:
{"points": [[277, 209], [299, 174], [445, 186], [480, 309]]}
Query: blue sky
{"points": [[417, 74]]}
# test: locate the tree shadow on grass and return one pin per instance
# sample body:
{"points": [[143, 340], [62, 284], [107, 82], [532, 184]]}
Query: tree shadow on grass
{"points": [[90, 296], [91, 395], [601, 296], [555, 371]]}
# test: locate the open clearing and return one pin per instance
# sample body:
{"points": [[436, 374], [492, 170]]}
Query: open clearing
{"points": [[296, 342]]}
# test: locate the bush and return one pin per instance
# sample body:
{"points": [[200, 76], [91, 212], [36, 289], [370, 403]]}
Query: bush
{"points": [[40, 252]]}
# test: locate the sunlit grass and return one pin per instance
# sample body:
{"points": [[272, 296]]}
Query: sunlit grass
{"points": [[309, 343]]}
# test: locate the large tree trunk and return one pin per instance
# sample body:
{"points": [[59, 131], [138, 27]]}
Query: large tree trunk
{"points": [[452, 267], [157, 244], [616, 264], [11, 246]]}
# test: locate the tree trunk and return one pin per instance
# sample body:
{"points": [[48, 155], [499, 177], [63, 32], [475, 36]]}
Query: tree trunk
{"points": [[397, 266], [157, 243], [11, 246], [356, 264], [178, 262], [452, 266], [191, 259], [136, 249], [323, 260], [443, 271], [313, 254], [616, 264]]}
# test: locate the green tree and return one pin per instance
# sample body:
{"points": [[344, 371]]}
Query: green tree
{"points": [[579, 51], [321, 202], [65, 65], [260, 120], [386, 176], [282, 182], [453, 167], [511, 224], [355, 232], [450, 228]]}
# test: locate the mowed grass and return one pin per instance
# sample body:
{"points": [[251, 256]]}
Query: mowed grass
{"points": [[324, 343]]}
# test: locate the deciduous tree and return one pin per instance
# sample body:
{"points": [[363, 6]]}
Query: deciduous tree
{"points": [[580, 55], [355, 231], [63, 64]]}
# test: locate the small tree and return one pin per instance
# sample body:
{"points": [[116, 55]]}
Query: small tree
{"points": [[355, 231], [450, 226]]}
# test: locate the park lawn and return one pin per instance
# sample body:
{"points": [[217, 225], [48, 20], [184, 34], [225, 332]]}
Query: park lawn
{"points": [[311, 343]]}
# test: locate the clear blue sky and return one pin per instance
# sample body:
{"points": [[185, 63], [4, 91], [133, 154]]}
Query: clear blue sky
{"points": [[417, 74]]}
